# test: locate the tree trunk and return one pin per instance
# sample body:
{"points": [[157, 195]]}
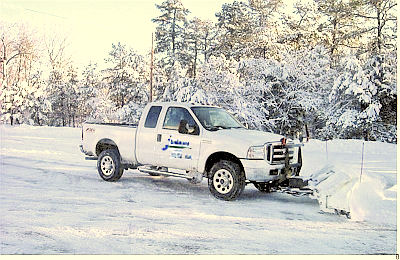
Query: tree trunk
{"points": [[205, 48], [379, 31], [264, 52], [195, 59], [173, 36]]}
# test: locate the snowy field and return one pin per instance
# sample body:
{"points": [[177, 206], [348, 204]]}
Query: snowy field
{"points": [[54, 202]]}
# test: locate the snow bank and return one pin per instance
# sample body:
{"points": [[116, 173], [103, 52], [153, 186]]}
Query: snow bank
{"points": [[341, 187], [370, 201], [55, 203]]}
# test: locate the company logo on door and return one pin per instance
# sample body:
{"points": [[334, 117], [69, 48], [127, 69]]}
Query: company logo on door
{"points": [[176, 144]]}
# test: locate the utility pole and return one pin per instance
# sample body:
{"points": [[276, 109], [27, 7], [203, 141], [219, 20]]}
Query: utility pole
{"points": [[151, 69]]}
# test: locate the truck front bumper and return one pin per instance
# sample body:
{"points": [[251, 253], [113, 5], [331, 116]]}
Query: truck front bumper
{"points": [[262, 171]]}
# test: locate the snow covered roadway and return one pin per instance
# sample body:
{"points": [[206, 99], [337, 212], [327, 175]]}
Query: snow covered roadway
{"points": [[54, 202]]}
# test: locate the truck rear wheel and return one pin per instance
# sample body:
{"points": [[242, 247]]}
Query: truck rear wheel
{"points": [[226, 181], [109, 165]]}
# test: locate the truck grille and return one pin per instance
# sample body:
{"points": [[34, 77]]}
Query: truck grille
{"points": [[276, 153]]}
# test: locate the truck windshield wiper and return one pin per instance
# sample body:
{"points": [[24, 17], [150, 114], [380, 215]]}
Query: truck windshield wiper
{"points": [[221, 126], [216, 127]]}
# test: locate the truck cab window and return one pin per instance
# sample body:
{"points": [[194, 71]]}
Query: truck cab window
{"points": [[175, 115], [152, 117]]}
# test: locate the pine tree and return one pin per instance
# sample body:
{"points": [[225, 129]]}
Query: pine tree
{"points": [[201, 38], [380, 23], [300, 28], [338, 26], [266, 28], [127, 76], [236, 30], [170, 33], [361, 98], [88, 86]]}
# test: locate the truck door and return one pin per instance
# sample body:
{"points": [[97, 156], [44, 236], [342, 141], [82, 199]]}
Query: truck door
{"points": [[178, 150], [147, 137]]}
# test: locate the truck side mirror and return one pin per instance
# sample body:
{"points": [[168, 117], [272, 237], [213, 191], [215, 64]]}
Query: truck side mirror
{"points": [[182, 129]]}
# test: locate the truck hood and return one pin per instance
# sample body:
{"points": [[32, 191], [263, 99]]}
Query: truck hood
{"points": [[245, 137]]}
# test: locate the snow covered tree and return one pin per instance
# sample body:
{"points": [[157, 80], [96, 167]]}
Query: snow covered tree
{"points": [[300, 28], [170, 33], [160, 80], [235, 24], [338, 26], [200, 37], [62, 82], [360, 94], [283, 96], [62, 90], [40, 105], [266, 26], [23, 102], [127, 76], [311, 82], [103, 109], [20, 75], [219, 79], [88, 85], [176, 82]]}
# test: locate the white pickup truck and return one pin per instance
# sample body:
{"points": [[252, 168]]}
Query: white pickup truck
{"points": [[193, 141]]}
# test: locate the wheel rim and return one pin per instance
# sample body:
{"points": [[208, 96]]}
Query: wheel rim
{"points": [[107, 165], [223, 181]]}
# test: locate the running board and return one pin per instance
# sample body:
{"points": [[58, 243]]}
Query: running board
{"points": [[174, 174]]}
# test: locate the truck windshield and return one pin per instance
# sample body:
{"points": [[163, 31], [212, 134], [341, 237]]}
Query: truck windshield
{"points": [[213, 118]]}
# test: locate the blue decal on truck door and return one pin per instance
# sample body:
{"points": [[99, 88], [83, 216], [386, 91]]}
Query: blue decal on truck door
{"points": [[176, 144]]}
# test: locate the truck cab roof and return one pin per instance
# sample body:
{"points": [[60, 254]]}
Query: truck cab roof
{"points": [[182, 104]]}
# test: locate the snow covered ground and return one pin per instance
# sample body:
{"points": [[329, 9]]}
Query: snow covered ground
{"points": [[54, 202]]}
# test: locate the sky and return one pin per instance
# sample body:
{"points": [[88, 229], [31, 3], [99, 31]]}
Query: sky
{"points": [[92, 26]]}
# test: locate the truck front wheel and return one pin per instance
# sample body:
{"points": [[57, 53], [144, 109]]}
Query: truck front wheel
{"points": [[109, 165], [226, 181]]}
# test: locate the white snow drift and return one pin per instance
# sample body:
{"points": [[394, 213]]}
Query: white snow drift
{"points": [[54, 202]]}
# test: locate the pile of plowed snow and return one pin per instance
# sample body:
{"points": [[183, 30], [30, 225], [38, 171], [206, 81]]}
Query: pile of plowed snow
{"points": [[347, 180]]}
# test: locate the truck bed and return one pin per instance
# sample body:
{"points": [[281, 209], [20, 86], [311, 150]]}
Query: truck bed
{"points": [[122, 136]]}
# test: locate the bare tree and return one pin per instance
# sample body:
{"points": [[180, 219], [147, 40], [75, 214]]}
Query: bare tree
{"points": [[18, 52]]}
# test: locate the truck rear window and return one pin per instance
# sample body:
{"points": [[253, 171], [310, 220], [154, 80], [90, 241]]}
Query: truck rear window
{"points": [[152, 117]]}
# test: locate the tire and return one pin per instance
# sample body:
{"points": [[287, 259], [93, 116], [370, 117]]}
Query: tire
{"points": [[109, 165], [226, 181], [263, 186]]}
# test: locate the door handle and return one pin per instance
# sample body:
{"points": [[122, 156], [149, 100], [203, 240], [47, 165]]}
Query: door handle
{"points": [[158, 137]]}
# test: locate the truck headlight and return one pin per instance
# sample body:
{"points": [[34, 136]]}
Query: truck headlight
{"points": [[255, 152]]}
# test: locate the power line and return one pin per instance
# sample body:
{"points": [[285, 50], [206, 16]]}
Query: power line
{"points": [[45, 13]]}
